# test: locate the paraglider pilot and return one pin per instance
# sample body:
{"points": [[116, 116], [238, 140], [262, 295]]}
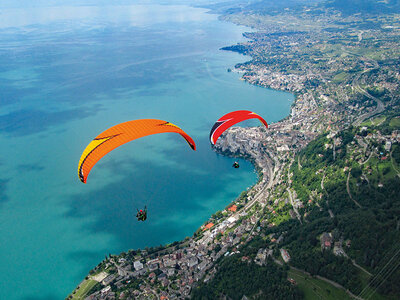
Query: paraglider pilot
{"points": [[141, 214], [235, 165]]}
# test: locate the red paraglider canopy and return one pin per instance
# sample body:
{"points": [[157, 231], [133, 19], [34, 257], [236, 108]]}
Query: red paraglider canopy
{"points": [[231, 119]]}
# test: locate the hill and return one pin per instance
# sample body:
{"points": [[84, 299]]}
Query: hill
{"points": [[349, 230]]}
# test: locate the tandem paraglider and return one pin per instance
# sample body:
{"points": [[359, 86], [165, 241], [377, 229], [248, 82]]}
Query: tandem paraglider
{"points": [[142, 214], [229, 120], [121, 134]]}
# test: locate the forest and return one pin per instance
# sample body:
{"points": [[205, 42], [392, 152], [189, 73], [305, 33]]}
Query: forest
{"points": [[238, 276]]}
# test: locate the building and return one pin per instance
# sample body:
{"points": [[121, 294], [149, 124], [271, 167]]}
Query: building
{"points": [[283, 148], [208, 226], [261, 256], [170, 271], [106, 290], [193, 261], [138, 265], [169, 262], [338, 250], [326, 241], [108, 279], [388, 146], [285, 255], [202, 265], [122, 272], [153, 267], [233, 208]]}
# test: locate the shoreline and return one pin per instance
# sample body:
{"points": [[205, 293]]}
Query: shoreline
{"points": [[268, 170], [270, 151], [334, 95]]}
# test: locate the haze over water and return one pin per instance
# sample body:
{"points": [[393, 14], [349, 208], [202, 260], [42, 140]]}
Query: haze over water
{"points": [[69, 73]]}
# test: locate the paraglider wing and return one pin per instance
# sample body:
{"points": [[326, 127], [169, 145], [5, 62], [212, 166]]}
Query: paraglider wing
{"points": [[231, 119], [121, 134]]}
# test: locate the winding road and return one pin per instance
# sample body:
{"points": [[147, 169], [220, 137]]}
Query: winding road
{"points": [[393, 164], [379, 104], [348, 191], [291, 197]]}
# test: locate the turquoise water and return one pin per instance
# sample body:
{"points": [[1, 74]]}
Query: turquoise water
{"points": [[67, 74]]}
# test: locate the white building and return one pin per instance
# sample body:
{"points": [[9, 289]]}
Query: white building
{"points": [[138, 265], [193, 261], [388, 145], [106, 290]]}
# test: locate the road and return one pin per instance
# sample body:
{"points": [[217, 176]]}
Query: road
{"points": [[367, 158], [121, 270], [272, 178], [379, 104], [294, 208], [155, 293], [348, 191], [361, 268], [393, 164], [291, 197], [270, 166]]}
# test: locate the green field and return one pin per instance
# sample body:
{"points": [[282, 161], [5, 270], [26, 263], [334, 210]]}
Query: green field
{"points": [[395, 122], [374, 121], [340, 77], [314, 288], [280, 217], [85, 287]]}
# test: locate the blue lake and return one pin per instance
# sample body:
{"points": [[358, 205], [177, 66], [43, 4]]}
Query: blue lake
{"points": [[69, 73]]}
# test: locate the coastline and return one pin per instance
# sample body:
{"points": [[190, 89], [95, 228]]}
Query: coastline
{"points": [[343, 71], [266, 160], [272, 151], [268, 167]]}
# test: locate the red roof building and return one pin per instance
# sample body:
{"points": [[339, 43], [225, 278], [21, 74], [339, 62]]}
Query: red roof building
{"points": [[233, 208], [208, 226]]}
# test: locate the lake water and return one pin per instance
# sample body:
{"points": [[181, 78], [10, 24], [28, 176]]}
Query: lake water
{"points": [[67, 74]]}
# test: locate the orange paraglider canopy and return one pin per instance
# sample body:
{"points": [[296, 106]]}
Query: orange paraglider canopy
{"points": [[121, 134]]}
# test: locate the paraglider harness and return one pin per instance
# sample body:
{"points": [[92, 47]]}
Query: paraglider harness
{"points": [[141, 214], [235, 165]]}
